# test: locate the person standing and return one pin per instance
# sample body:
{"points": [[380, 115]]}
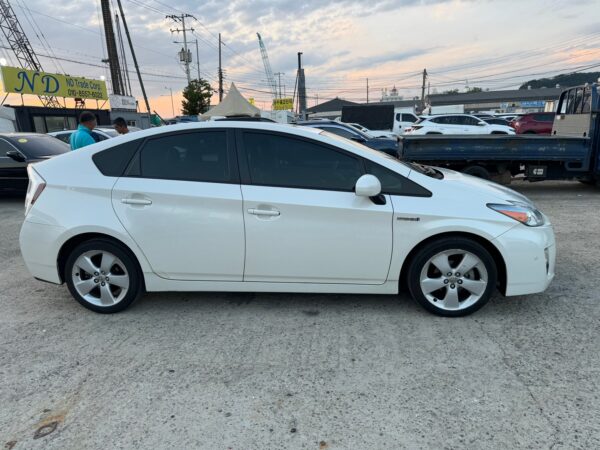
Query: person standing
{"points": [[120, 125], [83, 136]]}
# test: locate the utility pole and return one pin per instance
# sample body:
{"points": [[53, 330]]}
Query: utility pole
{"points": [[195, 41], [135, 63], [198, 59], [367, 90], [278, 75], [301, 88], [111, 47], [186, 55], [220, 72], [423, 89]]}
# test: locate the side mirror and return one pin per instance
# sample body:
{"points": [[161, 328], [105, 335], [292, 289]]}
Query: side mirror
{"points": [[17, 156], [368, 186], [482, 124]]}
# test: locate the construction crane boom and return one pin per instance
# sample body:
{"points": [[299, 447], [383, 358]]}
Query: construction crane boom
{"points": [[268, 71], [17, 39]]}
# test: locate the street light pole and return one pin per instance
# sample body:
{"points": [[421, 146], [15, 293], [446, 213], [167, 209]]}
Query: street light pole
{"points": [[172, 104]]}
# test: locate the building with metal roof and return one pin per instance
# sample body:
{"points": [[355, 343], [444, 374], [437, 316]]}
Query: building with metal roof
{"points": [[515, 100]]}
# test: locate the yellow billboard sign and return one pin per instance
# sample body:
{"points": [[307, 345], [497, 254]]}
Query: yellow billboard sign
{"points": [[22, 81], [280, 104]]}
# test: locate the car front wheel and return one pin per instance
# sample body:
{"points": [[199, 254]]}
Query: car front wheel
{"points": [[452, 277], [103, 276]]}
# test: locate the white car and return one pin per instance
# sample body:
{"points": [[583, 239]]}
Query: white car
{"points": [[261, 207], [456, 124], [373, 133], [99, 134]]}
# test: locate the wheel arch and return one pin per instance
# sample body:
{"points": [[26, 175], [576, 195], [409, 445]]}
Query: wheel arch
{"points": [[489, 246], [69, 245]]}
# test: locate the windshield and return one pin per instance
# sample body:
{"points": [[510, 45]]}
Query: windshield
{"points": [[35, 146], [425, 170]]}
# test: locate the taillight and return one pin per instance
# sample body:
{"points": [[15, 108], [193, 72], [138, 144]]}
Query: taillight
{"points": [[34, 188]]}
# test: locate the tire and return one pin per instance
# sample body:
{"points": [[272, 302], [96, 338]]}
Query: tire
{"points": [[498, 132], [103, 276], [459, 294], [477, 171]]}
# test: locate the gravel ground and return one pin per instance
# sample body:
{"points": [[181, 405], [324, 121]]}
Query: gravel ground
{"points": [[262, 371]]}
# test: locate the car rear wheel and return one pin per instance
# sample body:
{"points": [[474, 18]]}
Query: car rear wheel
{"points": [[452, 277], [103, 276], [477, 171]]}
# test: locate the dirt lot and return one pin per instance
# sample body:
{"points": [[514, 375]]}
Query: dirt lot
{"points": [[258, 371]]}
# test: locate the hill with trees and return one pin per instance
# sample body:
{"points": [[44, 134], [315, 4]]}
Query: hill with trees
{"points": [[564, 80]]}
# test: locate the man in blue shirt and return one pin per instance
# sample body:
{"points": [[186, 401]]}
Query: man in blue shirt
{"points": [[83, 135]]}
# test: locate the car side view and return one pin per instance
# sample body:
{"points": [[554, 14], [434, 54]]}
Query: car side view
{"points": [[456, 124], [260, 207]]}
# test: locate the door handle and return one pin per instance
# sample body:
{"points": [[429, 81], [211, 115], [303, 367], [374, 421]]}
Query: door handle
{"points": [[136, 201], [263, 212]]}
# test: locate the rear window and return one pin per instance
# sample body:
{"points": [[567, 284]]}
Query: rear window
{"points": [[113, 161], [37, 146]]}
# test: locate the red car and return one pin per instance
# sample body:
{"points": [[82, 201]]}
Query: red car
{"points": [[534, 123]]}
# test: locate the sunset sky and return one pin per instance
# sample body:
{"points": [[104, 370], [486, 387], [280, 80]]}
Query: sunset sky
{"points": [[485, 43]]}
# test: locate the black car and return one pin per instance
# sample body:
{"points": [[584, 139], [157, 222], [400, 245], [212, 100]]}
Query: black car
{"points": [[385, 145], [17, 150]]}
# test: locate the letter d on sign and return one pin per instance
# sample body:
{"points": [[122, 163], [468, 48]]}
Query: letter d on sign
{"points": [[51, 84]]}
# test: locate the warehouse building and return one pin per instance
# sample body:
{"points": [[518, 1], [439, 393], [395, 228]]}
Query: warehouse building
{"points": [[517, 100]]}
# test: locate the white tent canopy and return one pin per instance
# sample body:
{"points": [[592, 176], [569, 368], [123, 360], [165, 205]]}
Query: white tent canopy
{"points": [[234, 104]]}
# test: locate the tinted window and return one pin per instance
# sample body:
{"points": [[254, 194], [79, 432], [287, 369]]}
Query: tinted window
{"points": [[471, 121], [98, 137], [587, 101], [393, 183], [408, 118], [37, 145], [5, 147], [340, 132], [65, 137], [199, 156], [276, 160], [543, 117], [113, 161]]}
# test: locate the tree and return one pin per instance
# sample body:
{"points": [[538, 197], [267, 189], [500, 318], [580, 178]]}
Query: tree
{"points": [[474, 89], [196, 97]]}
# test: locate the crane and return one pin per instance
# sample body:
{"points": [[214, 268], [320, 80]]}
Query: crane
{"points": [[20, 45], [268, 71]]}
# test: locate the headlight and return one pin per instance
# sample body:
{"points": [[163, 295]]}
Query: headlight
{"points": [[521, 212]]}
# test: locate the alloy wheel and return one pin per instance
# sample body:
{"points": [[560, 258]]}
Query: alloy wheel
{"points": [[454, 280], [100, 278]]}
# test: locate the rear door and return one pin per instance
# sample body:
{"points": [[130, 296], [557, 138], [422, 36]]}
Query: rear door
{"points": [[181, 202], [304, 224], [13, 174]]}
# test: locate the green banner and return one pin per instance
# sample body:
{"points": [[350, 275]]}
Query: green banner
{"points": [[22, 81]]}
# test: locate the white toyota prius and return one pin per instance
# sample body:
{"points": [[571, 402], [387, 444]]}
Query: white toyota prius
{"points": [[262, 207]]}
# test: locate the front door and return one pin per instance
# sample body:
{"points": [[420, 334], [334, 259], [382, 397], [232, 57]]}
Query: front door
{"points": [[181, 203], [304, 223]]}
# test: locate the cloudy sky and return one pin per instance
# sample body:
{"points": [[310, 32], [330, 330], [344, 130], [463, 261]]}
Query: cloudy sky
{"points": [[495, 44]]}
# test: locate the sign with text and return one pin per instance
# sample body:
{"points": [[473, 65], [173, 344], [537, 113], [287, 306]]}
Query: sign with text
{"points": [[280, 104], [23, 81], [122, 102]]}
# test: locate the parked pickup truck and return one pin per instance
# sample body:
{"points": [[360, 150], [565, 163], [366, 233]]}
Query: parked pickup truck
{"points": [[572, 151]]}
